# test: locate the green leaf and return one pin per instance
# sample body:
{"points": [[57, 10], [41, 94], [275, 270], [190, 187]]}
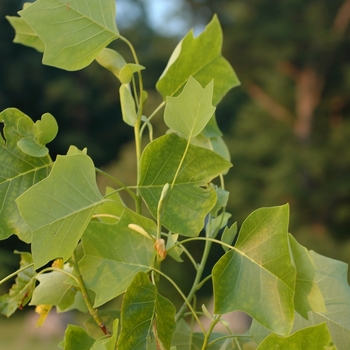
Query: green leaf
{"points": [[128, 105], [53, 290], [191, 197], [308, 296], [114, 254], [141, 306], [111, 60], [75, 338], [190, 112], [21, 292], [228, 235], [18, 172], [331, 278], [207, 63], [41, 133], [25, 35], [73, 32], [107, 342], [108, 318], [257, 275], [311, 338], [59, 208], [127, 72]]}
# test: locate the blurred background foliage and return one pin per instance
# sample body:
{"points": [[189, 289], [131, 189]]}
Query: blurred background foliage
{"points": [[287, 126]]}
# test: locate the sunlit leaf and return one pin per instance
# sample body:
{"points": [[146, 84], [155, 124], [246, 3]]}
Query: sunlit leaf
{"points": [[204, 53], [25, 35], [111, 60], [190, 112], [191, 197], [74, 32], [18, 172], [21, 292], [257, 275], [114, 254], [145, 313], [59, 208], [311, 338]]}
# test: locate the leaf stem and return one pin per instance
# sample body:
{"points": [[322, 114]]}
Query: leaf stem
{"points": [[92, 311], [13, 274]]}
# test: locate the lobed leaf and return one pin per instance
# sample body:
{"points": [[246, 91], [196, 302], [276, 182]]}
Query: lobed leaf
{"points": [[191, 198], [18, 172], [190, 112], [73, 32], [21, 292], [59, 208], [207, 63], [114, 254], [257, 275]]}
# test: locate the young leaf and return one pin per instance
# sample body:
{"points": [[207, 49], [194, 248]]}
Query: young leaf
{"points": [[59, 208], [311, 338], [204, 54], [114, 254], [25, 35], [18, 172], [258, 272], [53, 290], [128, 105], [228, 235], [142, 305], [21, 292], [127, 72], [73, 32], [111, 60], [191, 111], [76, 338], [191, 198], [41, 133], [308, 296]]}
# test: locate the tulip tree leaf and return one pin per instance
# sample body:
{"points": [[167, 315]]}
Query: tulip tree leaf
{"points": [[73, 32], [127, 103], [331, 278], [311, 338], [18, 171], [114, 254], [308, 296], [191, 197], [25, 35], [207, 63], [142, 305], [21, 292], [59, 208], [76, 338], [189, 113], [111, 60], [257, 275]]}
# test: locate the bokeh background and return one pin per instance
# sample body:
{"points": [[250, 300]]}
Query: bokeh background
{"points": [[287, 126]]}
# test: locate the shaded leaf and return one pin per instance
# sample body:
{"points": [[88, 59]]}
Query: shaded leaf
{"points": [[190, 112], [76, 338], [331, 278], [311, 338], [204, 53], [191, 197], [59, 208], [308, 296], [228, 235], [142, 305], [114, 254], [111, 60], [18, 172], [21, 292], [73, 32], [257, 275]]}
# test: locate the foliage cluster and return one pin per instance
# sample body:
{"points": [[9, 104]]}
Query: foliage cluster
{"points": [[88, 248]]}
